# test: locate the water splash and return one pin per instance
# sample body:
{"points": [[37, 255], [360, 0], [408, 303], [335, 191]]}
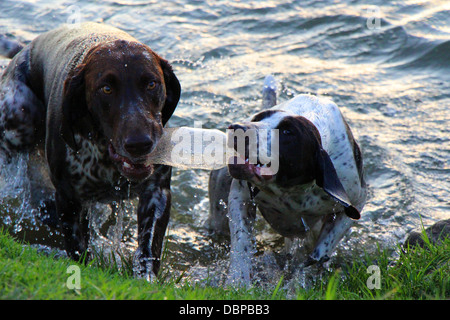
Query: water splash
{"points": [[25, 184], [15, 192]]}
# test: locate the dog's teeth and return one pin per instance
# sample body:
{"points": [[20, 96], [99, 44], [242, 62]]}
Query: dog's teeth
{"points": [[126, 165]]}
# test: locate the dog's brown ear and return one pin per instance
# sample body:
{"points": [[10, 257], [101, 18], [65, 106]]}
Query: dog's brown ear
{"points": [[327, 179], [74, 106], [173, 91]]}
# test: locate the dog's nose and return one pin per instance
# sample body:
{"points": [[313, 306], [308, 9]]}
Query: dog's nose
{"points": [[236, 126], [138, 145]]}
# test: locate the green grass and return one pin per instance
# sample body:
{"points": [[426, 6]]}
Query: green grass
{"points": [[27, 274], [419, 273]]}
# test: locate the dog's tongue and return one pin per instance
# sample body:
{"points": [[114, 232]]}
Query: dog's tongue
{"points": [[191, 148], [251, 170]]}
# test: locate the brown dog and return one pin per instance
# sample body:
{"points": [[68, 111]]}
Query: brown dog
{"points": [[98, 100]]}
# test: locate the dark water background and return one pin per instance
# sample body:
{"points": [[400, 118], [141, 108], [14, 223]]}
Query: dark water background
{"points": [[385, 63]]}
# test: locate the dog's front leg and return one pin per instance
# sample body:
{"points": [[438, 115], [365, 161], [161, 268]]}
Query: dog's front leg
{"points": [[241, 211], [74, 224], [153, 218]]}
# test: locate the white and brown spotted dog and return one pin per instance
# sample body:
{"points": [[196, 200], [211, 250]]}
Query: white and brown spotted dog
{"points": [[95, 100], [316, 192]]}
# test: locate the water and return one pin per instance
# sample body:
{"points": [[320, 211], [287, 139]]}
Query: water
{"points": [[386, 65]]}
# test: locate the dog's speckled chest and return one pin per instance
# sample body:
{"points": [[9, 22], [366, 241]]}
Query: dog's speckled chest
{"points": [[293, 212], [93, 174]]}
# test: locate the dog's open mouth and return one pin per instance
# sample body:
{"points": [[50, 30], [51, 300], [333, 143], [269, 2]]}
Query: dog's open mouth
{"points": [[130, 169], [241, 168]]}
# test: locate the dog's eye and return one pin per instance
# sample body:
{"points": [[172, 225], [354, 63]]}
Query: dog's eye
{"points": [[106, 90], [151, 85], [286, 132]]}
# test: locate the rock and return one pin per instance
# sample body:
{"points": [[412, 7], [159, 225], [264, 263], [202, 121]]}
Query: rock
{"points": [[435, 233]]}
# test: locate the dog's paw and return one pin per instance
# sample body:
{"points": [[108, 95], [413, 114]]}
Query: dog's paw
{"points": [[312, 260], [143, 267], [239, 275]]}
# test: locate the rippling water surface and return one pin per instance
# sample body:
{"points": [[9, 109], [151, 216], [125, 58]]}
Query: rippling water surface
{"points": [[386, 65]]}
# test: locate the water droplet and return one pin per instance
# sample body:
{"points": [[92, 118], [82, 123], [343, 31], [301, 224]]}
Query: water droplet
{"points": [[7, 220], [223, 204]]}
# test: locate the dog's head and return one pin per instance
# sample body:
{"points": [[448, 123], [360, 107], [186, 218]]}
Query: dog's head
{"points": [[297, 155], [126, 92]]}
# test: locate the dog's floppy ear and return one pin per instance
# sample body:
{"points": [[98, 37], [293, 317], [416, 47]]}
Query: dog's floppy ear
{"points": [[74, 106], [173, 91], [328, 180]]}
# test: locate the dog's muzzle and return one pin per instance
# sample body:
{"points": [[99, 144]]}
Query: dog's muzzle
{"points": [[251, 142], [131, 169]]}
